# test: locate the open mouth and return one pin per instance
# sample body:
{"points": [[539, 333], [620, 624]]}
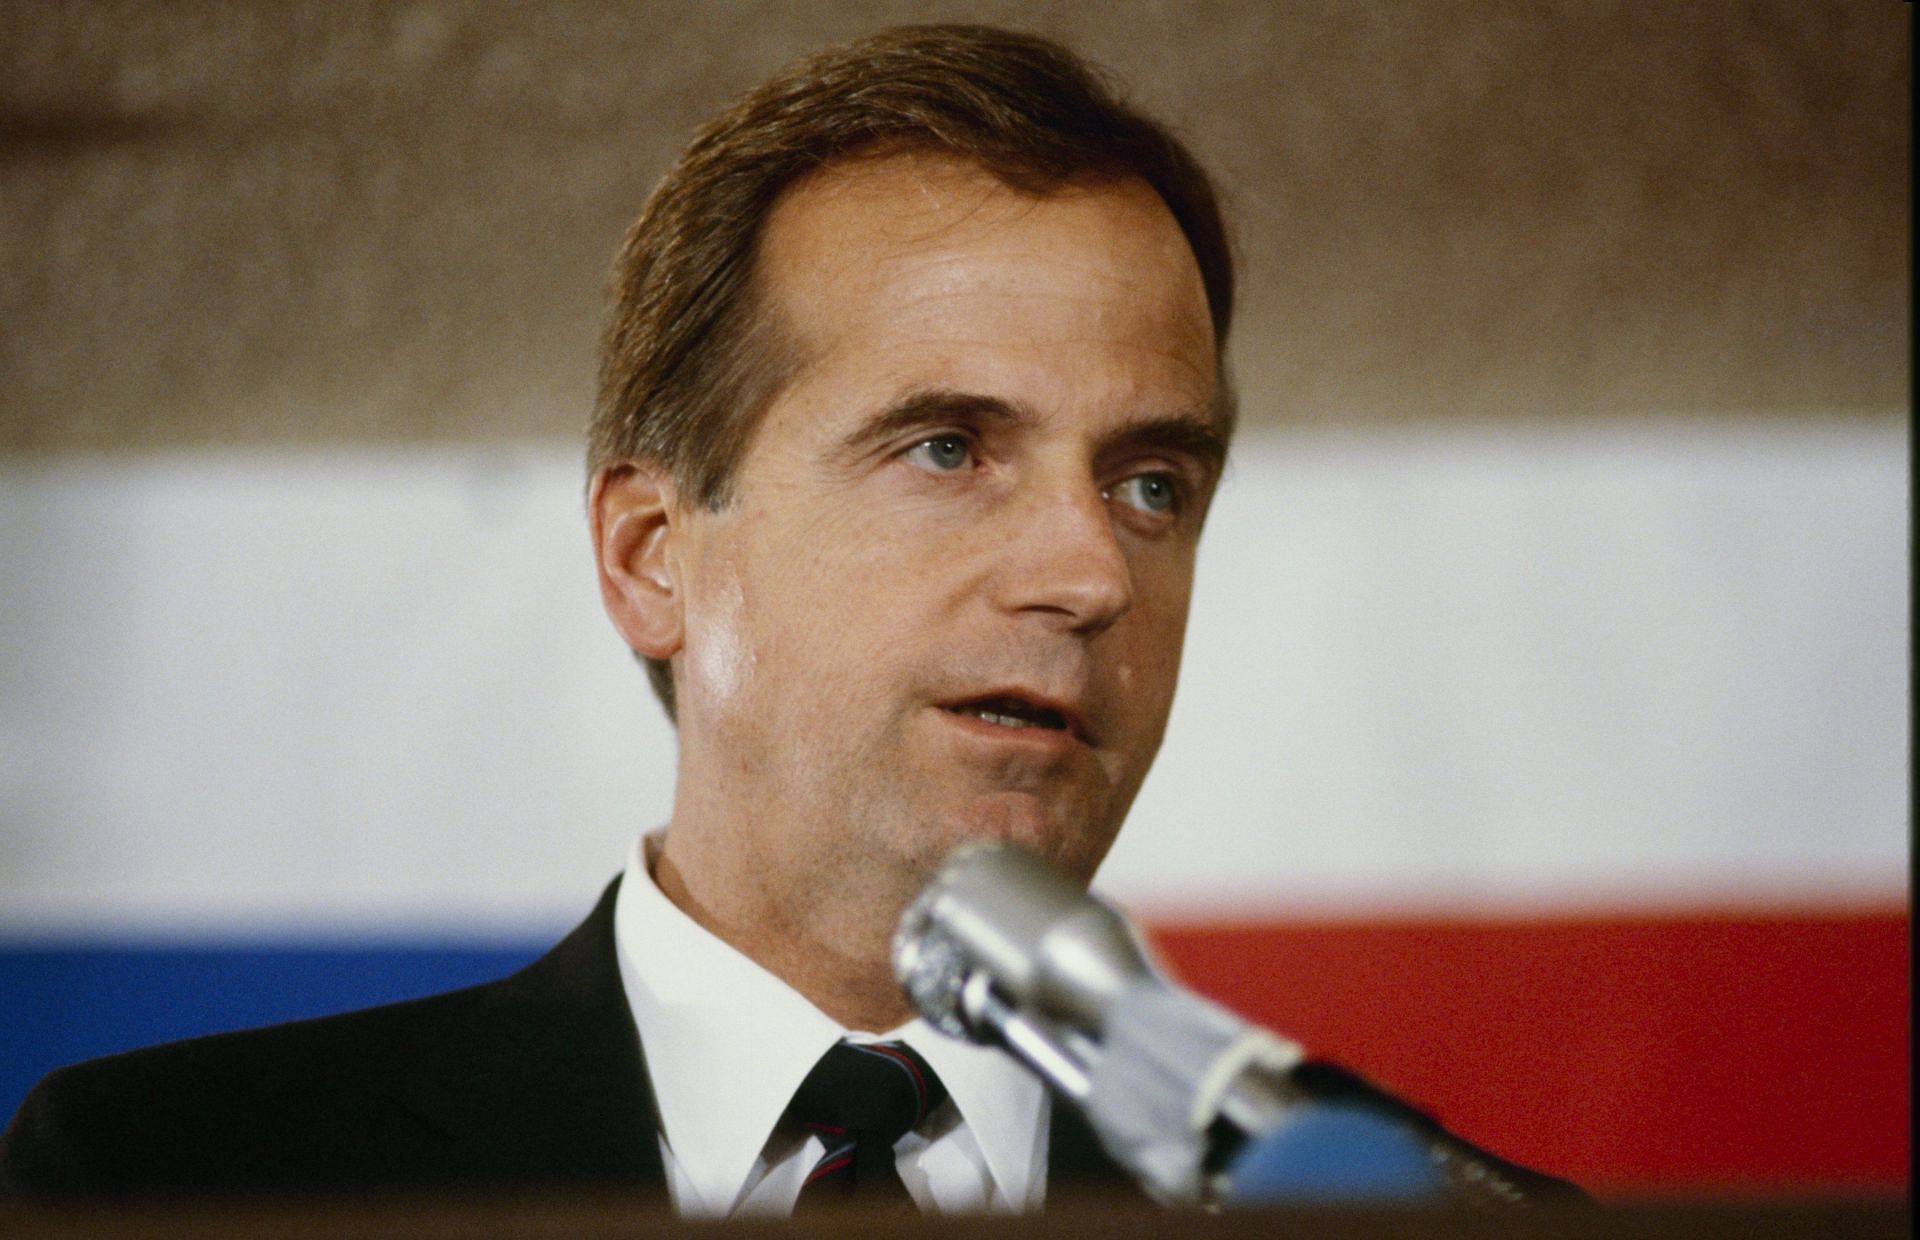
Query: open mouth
{"points": [[1013, 712]]}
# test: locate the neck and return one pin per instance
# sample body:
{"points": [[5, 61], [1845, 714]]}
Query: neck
{"points": [[837, 952]]}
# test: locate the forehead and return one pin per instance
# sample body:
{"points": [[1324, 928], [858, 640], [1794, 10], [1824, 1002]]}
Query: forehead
{"points": [[914, 260]]}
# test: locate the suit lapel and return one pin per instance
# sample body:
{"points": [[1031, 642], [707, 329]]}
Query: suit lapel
{"points": [[539, 1077]]}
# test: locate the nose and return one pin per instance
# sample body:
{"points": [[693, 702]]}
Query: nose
{"points": [[1064, 562]]}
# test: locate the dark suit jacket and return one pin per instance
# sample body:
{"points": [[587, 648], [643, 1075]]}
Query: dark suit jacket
{"points": [[532, 1082]]}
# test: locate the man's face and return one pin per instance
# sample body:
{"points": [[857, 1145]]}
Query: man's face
{"points": [[947, 598]]}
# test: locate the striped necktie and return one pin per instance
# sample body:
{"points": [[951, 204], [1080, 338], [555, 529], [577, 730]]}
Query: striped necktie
{"points": [[860, 1100]]}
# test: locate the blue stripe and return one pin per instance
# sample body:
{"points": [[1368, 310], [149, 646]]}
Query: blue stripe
{"points": [[64, 1002]]}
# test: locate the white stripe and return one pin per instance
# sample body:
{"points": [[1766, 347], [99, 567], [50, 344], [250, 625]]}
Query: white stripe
{"points": [[311, 690], [1518, 666], [314, 689]]}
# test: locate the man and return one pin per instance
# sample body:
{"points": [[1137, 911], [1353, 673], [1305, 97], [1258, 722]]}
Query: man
{"points": [[912, 406], [911, 411], [929, 583]]}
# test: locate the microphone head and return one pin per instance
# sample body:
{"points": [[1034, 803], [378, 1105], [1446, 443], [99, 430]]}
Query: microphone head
{"points": [[1041, 945], [930, 966]]}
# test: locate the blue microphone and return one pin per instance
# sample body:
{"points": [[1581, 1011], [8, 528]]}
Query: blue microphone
{"points": [[1333, 1155]]}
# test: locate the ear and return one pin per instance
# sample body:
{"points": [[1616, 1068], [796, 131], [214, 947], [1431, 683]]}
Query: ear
{"points": [[631, 508]]}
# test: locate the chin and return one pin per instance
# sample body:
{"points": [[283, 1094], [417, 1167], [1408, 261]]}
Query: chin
{"points": [[1029, 821]]}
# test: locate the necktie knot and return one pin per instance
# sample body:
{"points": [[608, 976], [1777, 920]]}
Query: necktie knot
{"points": [[860, 1100]]}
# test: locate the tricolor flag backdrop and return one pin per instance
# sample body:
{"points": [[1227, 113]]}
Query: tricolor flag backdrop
{"points": [[1542, 743]]}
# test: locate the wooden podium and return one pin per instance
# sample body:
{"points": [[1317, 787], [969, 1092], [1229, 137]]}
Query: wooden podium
{"points": [[578, 1217]]}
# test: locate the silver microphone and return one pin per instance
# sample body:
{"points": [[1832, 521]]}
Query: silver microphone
{"points": [[1001, 950]]}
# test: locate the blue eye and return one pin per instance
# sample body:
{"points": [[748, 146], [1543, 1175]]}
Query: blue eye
{"points": [[945, 453], [1155, 493]]}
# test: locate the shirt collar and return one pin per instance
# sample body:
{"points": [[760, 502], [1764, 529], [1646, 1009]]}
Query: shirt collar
{"points": [[1003, 1104], [727, 1043]]}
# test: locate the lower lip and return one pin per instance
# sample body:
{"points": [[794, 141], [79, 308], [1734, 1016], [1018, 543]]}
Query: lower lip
{"points": [[1050, 740]]}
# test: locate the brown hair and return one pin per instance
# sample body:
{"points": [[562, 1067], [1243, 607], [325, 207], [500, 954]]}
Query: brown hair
{"points": [[690, 359]]}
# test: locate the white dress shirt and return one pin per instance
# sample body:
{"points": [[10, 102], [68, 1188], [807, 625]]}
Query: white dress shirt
{"points": [[727, 1043]]}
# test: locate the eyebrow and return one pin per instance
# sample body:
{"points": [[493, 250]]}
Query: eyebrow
{"points": [[1193, 433], [927, 409]]}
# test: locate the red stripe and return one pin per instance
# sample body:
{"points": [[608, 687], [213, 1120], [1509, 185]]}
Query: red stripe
{"points": [[1759, 1052], [825, 1168]]}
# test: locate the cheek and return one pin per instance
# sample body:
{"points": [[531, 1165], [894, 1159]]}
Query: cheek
{"points": [[721, 658], [847, 573], [1162, 592], [830, 606], [1144, 665]]}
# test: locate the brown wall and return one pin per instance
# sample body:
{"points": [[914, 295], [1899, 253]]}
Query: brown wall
{"points": [[244, 223]]}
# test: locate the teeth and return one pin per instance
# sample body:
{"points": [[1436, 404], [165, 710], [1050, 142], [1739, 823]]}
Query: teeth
{"points": [[1005, 721], [1047, 718]]}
